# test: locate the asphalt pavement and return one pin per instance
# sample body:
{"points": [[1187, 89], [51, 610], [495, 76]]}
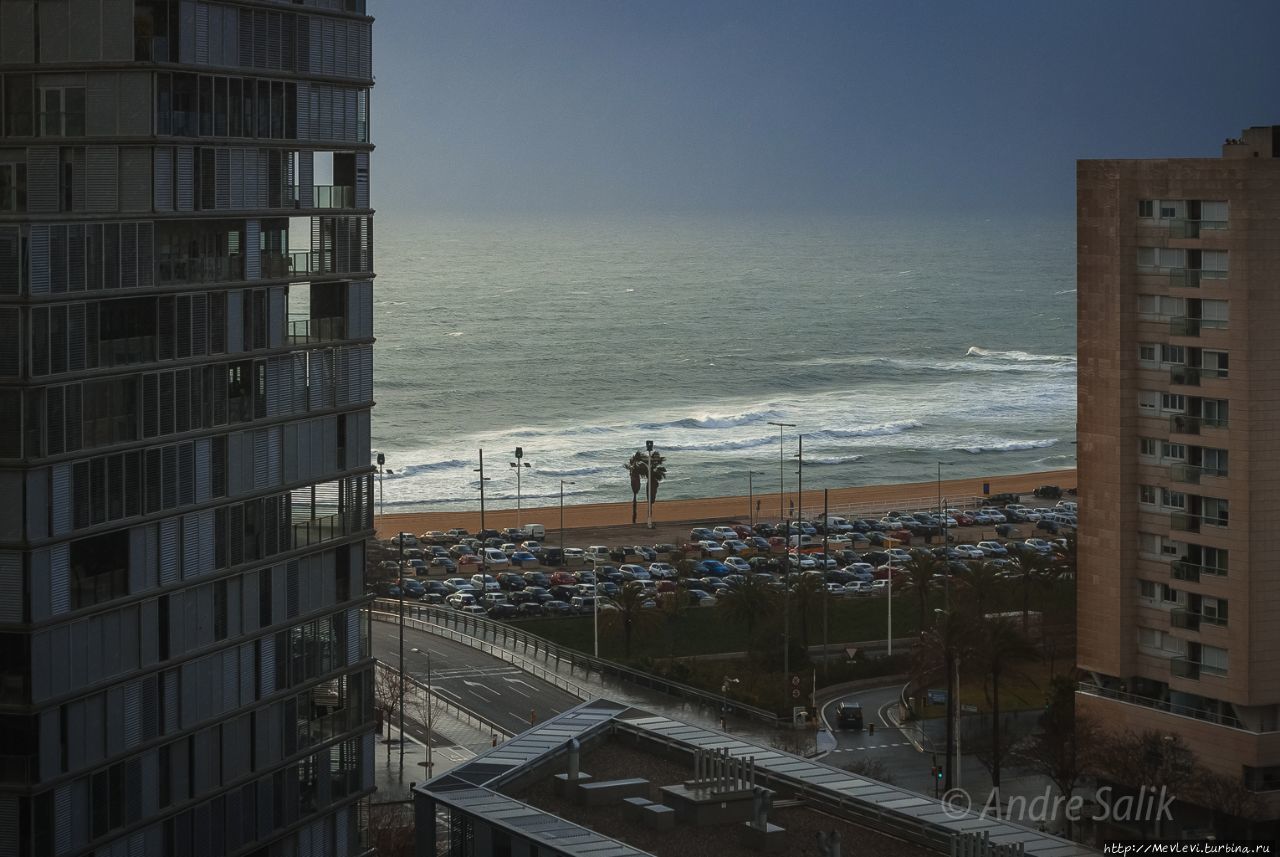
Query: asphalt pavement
{"points": [[481, 683]]}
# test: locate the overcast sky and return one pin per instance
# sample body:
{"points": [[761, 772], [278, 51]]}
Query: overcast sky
{"points": [[901, 106]]}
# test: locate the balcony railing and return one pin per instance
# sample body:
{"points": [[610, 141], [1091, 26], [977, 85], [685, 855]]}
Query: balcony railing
{"points": [[1188, 473], [61, 123], [1160, 705], [1183, 668], [1181, 278], [1184, 522], [126, 351], [17, 770], [201, 269], [1181, 617], [277, 264], [1188, 376], [1193, 228], [316, 531], [1191, 572], [326, 195], [151, 49], [1185, 326], [1183, 424], [309, 330]]}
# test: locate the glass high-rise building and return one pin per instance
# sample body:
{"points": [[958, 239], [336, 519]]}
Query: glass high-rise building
{"points": [[185, 389]]}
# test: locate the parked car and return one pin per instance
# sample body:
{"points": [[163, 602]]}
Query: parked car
{"points": [[503, 610], [442, 564], [711, 567], [458, 600], [412, 588], [529, 608], [1040, 545], [551, 556], [737, 563], [662, 570], [990, 548], [436, 592], [485, 582], [511, 581]]}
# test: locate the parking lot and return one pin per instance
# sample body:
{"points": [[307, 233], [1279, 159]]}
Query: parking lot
{"points": [[524, 572]]}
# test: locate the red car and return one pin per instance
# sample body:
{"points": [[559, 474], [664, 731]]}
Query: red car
{"points": [[744, 532], [963, 520], [563, 578]]}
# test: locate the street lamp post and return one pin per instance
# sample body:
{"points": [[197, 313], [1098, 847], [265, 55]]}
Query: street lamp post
{"points": [[781, 466], [648, 483], [800, 476], [724, 702], [952, 660], [562, 484], [400, 589], [786, 611], [519, 465], [595, 605], [826, 596], [430, 706], [382, 459], [888, 600], [480, 470]]}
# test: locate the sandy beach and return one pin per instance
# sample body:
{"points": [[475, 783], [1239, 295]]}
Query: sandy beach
{"points": [[909, 496]]}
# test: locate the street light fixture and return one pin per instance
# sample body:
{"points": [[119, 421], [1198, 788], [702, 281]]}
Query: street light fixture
{"points": [[430, 706], [781, 464], [382, 459], [751, 508], [562, 484], [400, 590], [519, 465], [480, 470], [952, 658], [648, 483]]}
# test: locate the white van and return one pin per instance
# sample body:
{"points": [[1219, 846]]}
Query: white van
{"points": [[598, 553], [838, 524], [537, 532]]}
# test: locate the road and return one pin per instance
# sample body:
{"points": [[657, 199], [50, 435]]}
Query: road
{"points": [[481, 683]]}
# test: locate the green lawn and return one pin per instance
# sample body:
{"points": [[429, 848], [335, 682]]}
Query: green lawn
{"points": [[704, 631]]}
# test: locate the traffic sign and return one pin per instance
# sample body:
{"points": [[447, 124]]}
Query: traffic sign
{"points": [[968, 708], [795, 681], [795, 693]]}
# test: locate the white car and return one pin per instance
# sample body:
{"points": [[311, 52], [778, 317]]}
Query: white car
{"points": [[1040, 545], [858, 587], [491, 598], [993, 549], [802, 561], [836, 542], [598, 553], [969, 551], [898, 554], [737, 563], [496, 559], [879, 587], [723, 533], [996, 516], [458, 600], [836, 589], [485, 583], [662, 570], [574, 555], [981, 518], [710, 548]]}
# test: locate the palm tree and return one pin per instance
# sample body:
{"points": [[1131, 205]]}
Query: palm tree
{"points": [[750, 603], [635, 467], [630, 601], [920, 570], [654, 479], [806, 592], [998, 646], [1030, 567], [982, 584]]}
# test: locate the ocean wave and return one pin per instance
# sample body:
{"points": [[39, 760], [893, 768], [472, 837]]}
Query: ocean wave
{"points": [[1056, 460], [845, 459], [1065, 292], [1019, 356], [721, 445], [572, 471], [429, 500], [431, 466], [1006, 446], [715, 421], [876, 430]]}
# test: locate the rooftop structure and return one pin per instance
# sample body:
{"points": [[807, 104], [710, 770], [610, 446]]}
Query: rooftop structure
{"points": [[612, 781]]}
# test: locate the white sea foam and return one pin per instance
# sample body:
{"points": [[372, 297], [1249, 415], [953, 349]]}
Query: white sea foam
{"points": [[875, 430], [1006, 445], [1020, 356]]}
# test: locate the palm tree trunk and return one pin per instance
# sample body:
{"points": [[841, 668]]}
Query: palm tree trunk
{"points": [[634, 495], [1026, 601]]}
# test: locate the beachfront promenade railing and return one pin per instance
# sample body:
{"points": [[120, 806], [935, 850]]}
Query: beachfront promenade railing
{"points": [[514, 646]]}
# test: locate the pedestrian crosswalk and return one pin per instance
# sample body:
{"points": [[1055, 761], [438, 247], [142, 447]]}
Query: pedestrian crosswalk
{"points": [[871, 747]]}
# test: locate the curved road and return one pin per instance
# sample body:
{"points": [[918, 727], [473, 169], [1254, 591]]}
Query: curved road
{"points": [[481, 683]]}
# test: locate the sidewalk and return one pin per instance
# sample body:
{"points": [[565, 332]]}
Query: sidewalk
{"points": [[453, 742]]}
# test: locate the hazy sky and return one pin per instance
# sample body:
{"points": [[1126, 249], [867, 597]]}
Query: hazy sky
{"points": [[572, 106]]}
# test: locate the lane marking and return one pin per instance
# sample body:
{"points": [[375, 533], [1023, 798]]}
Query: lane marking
{"points": [[518, 690]]}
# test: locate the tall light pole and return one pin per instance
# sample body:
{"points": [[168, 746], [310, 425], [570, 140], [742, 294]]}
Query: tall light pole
{"points": [[751, 505], [648, 483], [382, 459], [400, 589], [430, 706], [519, 464], [562, 484], [888, 600], [800, 476], [595, 605], [786, 615], [952, 661], [480, 470], [782, 464], [826, 596]]}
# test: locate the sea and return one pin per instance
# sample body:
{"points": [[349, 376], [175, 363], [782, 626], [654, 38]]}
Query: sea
{"points": [[895, 345]]}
